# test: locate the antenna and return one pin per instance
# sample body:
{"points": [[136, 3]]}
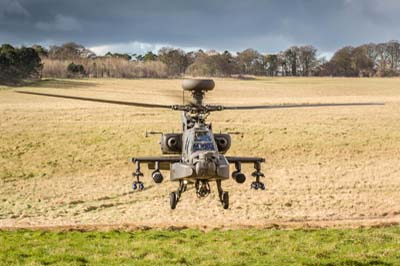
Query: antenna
{"points": [[148, 133]]}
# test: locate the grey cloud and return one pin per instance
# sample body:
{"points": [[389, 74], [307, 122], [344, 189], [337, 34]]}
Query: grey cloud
{"points": [[60, 23], [10, 8], [268, 26]]}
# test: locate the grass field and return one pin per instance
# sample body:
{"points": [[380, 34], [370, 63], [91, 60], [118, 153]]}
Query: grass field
{"points": [[65, 162], [345, 247]]}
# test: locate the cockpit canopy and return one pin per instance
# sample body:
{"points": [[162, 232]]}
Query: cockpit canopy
{"points": [[206, 146], [203, 135], [203, 141]]}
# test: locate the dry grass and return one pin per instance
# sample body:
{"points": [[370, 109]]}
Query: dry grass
{"points": [[106, 68], [67, 162]]}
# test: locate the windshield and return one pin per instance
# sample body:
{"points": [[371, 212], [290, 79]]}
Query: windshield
{"points": [[207, 146], [202, 136]]}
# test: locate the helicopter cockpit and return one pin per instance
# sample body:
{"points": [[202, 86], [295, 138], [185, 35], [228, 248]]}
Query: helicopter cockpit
{"points": [[203, 141]]}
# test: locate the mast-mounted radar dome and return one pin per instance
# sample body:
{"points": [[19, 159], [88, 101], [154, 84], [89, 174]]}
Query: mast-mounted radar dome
{"points": [[198, 84]]}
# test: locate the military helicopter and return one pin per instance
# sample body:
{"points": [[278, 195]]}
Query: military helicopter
{"points": [[199, 154]]}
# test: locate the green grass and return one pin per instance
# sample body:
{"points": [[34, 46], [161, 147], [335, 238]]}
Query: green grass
{"points": [[376, 246]]}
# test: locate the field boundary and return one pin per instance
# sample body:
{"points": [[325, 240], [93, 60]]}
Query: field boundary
{"points": [[346, 223]]}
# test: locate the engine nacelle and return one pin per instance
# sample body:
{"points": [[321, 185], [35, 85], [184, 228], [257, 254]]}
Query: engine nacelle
{"points": [[171, 143], [223, 142]]}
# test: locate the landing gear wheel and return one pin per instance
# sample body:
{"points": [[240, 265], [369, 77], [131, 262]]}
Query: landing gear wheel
{"points": [[257, 185], [225, 200], [173, 200], [141, 186], [137, 185]]}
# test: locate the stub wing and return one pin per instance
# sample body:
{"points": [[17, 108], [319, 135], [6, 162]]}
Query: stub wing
{"points": [[164, 162], [239, 159]]}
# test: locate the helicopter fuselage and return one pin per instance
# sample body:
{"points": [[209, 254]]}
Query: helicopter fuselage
{"points": [[201, 159]]}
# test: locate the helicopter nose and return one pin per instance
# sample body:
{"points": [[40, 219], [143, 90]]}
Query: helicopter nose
{"points": [[205, 165]]}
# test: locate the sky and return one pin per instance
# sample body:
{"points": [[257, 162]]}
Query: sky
{"points": [[133, 26]]}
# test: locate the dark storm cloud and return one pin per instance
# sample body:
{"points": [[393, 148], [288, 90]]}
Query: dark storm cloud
{"points": [[265, 25]]}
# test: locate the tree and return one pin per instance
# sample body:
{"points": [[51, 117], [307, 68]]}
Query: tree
{"points": [[17, 65], [272, 64], [351, 62], [138, 57], [307, 59], [322, 68], [70, 51], [291, 59], [382, 59], [283, 67], [76, 70], [212, 65], [251, 62], [149, 56], [393, 50], [385, 57], [190, 57], [203, 65], [175, 59], [340, 64], [127, 57], [40, 50], [361, 64], [228, 63]]}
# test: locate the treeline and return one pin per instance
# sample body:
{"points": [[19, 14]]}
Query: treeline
{"points": [[72, 60], [382, 60], [366, 60]]}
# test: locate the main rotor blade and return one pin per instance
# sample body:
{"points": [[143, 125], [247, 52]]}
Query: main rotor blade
{"points": [[296, 106], [146, 105]]}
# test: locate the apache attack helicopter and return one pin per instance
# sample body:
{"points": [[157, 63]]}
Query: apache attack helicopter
{"points": [[199, 153]]}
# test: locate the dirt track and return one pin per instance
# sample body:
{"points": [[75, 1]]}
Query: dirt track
{"points": [[66, 164]]}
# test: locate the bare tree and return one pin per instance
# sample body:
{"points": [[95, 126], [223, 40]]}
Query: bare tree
{"points": [[215, 64], [175, 59], [70, 51], [393, 50], [291, 57], [351, 62], [283, 66], [272, 64], [307, 57], [250, 62]]}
